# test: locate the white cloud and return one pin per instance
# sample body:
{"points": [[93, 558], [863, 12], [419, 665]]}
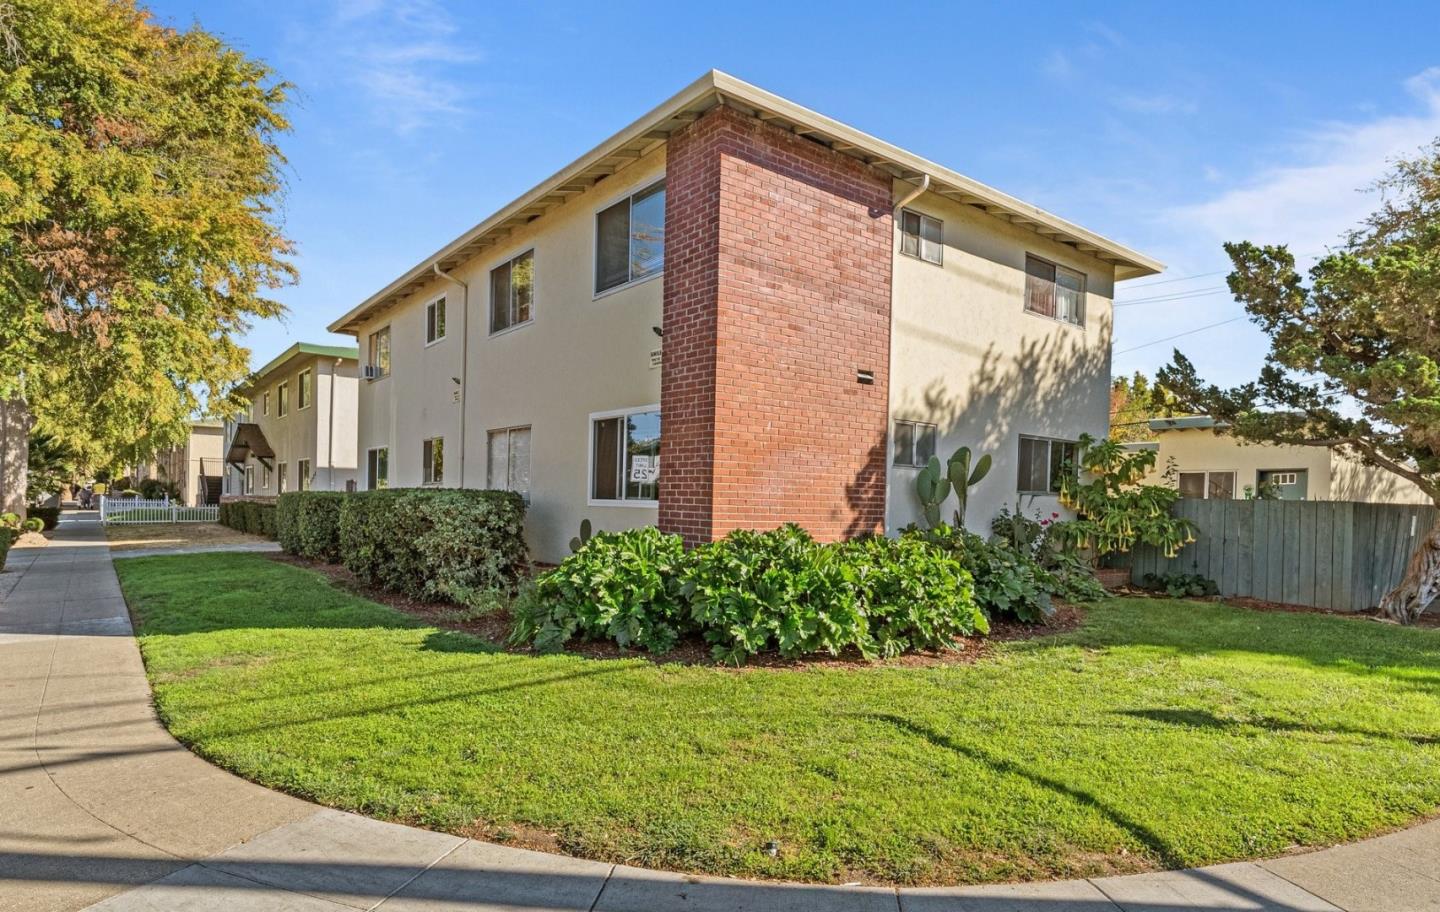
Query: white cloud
{"points": [[1313, 198], [407, 56]]}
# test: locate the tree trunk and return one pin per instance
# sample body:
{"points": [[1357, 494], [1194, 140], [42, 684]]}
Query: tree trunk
{"points": [[14, 455], [1420, 584]]}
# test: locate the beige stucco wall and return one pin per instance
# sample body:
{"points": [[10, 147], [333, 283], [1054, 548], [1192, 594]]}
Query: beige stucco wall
{"points": [[304, 433], [967, 356], [580, 354], [1333, 475]]}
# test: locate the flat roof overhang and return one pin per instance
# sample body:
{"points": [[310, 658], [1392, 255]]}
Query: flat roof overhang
{"points": [[716, 88]]}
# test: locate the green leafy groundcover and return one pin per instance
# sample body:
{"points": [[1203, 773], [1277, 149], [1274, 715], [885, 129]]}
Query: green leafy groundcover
{"points": [[1161, 733]]}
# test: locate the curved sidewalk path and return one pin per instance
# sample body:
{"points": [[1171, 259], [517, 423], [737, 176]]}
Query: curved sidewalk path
{"points": [[101, 808]]}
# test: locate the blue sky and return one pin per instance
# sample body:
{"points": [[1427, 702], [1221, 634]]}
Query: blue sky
{"points": [[1168, 127]]}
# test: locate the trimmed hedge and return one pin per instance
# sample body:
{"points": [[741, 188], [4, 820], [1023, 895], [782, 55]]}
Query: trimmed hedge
{"points": [[307, 524], [49, 515], [433, 543], [249, 516]]}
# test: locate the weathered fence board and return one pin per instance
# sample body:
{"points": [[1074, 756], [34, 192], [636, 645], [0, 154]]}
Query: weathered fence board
{"points": [[1328, 554]]}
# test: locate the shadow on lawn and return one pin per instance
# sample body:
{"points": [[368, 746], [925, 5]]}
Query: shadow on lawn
{"points": [[1197, 718], [1141, 833]]}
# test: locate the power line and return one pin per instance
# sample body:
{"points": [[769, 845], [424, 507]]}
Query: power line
{"points": [[1174, 296], [1206, 275], [1188, 332]]}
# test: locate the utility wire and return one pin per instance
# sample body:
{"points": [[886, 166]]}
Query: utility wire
{"points": [[1188, 332], [1174, 296]]}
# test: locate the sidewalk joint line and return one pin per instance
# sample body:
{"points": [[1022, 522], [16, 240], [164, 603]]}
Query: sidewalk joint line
{"points": [[421, 873], [603, 884]]}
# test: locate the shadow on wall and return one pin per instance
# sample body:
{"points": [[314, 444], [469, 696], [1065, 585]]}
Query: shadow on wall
{"points": [[1046, 386]]}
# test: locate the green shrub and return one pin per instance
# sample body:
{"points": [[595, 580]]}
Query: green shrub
{"points": [[156, 489], [1182, 585], [317, 524], [287, 521], [50, 516], [433, 543], [33, 524], [9, 531], [619, 586], [249, 516], [751, 592], [915, 595]]}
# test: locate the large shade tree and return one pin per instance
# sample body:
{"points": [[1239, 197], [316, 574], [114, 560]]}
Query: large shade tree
{"points": [[1354, 352], [139, 176]]}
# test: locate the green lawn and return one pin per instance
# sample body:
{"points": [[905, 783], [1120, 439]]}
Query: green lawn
{"points": [[1162, 733]]}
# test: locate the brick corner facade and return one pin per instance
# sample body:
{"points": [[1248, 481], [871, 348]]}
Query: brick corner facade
{"points": [[776, 299]]}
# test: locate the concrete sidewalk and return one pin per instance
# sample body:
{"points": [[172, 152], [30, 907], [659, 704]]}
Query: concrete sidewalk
{"points": [[101, 808]]}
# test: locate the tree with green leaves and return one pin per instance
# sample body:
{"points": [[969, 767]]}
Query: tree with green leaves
{"points": [[1134, 401], [139, 179], [1354, 352]]}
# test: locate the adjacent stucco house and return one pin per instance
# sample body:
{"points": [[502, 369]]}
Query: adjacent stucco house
{"points": [[299, 432], [736, 312], [1196, 454], [197, 467]]}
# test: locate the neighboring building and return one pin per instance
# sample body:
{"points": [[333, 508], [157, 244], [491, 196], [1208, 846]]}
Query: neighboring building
{"points": [[299, 432], [1195, 454], [815, 288], [197, 467]]}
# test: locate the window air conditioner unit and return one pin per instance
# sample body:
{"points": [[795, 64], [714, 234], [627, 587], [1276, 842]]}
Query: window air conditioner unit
{"points": [[370, 371]]}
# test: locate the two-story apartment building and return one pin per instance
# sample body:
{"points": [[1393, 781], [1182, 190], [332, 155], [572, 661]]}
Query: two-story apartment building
{"points": [[735, 313], [196, 467], [299, 432]]}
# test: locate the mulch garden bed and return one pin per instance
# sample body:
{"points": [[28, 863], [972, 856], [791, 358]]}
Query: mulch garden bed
{"points": [[494, 627]]}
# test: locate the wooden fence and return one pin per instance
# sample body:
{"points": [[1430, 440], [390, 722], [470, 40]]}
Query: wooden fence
{"points": [[1326, 554]]}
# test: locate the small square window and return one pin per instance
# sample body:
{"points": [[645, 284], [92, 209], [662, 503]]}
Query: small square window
{"points": [[1054, 291], [914, 442], [625, 463], [921, 236], [1043, 464], [630, 239]]}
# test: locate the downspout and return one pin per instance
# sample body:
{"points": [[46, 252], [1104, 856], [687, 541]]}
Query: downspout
{"points": [[464, 356], [330, 434], [901, 203]]}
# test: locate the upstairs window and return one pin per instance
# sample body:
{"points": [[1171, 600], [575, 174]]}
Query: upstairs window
{"points": [[512, 289], [1043, 463], [1054, 291], [264, 404], [432, 461], [282, 398], [920, 236], [625, 457], [378, 351], [435, 321], [307, 379], [914, 443], [630, 239]]}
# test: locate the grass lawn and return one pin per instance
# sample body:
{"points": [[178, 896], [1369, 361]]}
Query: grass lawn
{"points": [[1160, 734]]}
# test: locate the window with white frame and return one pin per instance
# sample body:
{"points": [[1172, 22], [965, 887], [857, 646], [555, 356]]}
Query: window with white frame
{"points": [[302, 471], [920, 237], [378, 353], [508, 462], [630, 239], [914, 442], [304, 384], [432, 461], [512, 292], [284, 477], [282, 398], [264, 403], [264, 477], [377, 468], [625, 456], [1043, 462], [1207, 485], [435, 321], [1054, 291], [249, 479]]}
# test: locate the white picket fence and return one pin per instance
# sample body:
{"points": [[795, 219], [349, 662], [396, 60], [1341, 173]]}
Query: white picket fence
{"points": [[139, 510]]}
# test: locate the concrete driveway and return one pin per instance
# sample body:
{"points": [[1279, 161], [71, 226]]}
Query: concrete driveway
{"points": [[100, 808]]}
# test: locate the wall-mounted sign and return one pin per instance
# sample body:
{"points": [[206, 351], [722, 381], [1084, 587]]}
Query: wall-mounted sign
{"points": [[655, 358]]}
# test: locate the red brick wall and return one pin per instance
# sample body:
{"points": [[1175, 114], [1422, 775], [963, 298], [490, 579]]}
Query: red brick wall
{"points": [[777, 290]]}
